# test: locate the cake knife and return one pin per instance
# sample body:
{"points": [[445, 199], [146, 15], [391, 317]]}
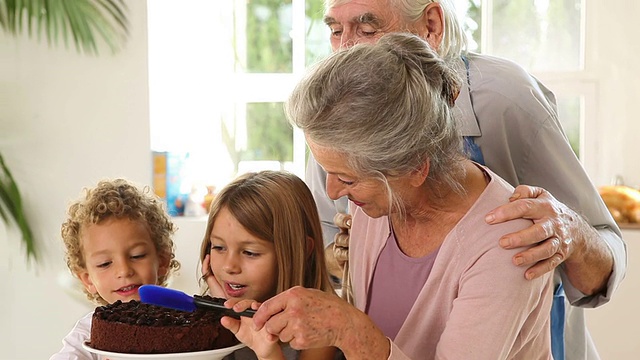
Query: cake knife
{"points": [[175, 299]]}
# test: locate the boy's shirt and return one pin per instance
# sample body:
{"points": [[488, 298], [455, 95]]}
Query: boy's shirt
{"points": [[72, 343]]}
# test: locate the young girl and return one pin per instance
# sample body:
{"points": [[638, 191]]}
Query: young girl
{"points": [[117, 238], [263, 237]]}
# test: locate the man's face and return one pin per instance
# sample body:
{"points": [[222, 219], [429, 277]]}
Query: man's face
{"points": [[361, 21], [365, 21]]}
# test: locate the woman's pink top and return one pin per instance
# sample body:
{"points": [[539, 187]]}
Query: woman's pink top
{"points": [[475, 304]]}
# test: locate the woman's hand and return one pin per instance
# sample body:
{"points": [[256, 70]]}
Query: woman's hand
{"points": [[215, 289], [310, 318], [265, 345], [559, 235]]}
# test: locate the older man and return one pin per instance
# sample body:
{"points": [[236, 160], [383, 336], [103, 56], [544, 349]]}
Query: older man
{"points": [[510, 123]]}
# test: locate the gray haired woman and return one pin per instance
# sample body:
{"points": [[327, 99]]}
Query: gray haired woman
{"points": [[425, 267]]}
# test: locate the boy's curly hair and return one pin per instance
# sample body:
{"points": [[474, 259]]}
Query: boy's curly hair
{"points": [[122, 200]]}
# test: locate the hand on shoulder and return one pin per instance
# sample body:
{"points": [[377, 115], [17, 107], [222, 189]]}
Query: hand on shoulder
{"points": [[552, 239]]}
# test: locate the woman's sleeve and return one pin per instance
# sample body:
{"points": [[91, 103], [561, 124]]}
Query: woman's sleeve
{"points": [[496, 310]]}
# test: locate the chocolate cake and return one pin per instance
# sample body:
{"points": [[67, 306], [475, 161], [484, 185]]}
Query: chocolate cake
{"points": [[137, 328]]}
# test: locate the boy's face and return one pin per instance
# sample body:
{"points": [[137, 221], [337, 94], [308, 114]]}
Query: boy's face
{"points": [[120, 257], [244, 265]]}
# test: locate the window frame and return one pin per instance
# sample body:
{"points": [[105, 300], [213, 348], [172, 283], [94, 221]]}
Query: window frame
{"points": [[579, 83], [275, 87]]}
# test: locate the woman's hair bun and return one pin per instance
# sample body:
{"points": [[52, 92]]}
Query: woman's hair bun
{"points": [[416, 53]]}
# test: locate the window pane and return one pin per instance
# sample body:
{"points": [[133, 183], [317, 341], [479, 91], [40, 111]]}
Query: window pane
{"points": [[317, 33], [470, 12], [265, 40], [257, 136], [540, 35], [270, 136], [218, 78], [570, 115]]}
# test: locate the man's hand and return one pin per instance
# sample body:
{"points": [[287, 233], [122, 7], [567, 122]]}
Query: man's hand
{"points": [[335, 271], [559, 235], [341, 240], [341, 253], [337, 254]]}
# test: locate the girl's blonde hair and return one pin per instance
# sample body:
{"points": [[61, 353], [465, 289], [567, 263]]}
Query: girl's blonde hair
{"points": [[277, 206], [118, 199]]}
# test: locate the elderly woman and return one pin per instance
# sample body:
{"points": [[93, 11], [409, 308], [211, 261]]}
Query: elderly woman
{"points": [[429, 280]]}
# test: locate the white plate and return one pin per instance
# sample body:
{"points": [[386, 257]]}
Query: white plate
{"points": [[216, 354]]}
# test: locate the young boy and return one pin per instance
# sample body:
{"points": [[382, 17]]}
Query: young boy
{"points": [[117, 237]]}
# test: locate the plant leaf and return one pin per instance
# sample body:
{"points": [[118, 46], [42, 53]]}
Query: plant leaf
{"points": [[83, 21], [11, 209]]}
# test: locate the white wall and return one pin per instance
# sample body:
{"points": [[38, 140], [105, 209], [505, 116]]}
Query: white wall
{"points": [[67, 120], [613, 53]]}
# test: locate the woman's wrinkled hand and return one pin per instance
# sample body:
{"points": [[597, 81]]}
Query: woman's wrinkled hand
{"points": [[310, 318], [305, 318]]}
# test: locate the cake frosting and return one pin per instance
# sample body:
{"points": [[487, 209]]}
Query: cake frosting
{"points": [[138, 328]]}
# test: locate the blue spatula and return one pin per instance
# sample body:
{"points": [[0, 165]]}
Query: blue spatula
{"points": [[174, 299]]}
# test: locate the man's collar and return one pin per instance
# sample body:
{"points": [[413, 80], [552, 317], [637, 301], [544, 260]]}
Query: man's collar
{"points": [[463, 110]]}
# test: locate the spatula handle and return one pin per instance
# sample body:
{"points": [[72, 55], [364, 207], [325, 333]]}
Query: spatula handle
{"points": [[218, 304]]}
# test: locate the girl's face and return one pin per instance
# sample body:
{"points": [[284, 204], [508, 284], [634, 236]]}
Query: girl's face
{"points": [[243, 264], [120, 257]]}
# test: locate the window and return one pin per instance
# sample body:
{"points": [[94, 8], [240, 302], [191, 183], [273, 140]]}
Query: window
{"points": [[219, 72], [546, 37]]}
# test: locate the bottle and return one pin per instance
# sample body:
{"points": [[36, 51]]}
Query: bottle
{"points": [[194, 205], [208, 198]]}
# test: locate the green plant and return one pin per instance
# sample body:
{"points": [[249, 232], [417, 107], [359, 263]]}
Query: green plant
{"points": [[81, 20], [11, 209], [84, 22]]}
